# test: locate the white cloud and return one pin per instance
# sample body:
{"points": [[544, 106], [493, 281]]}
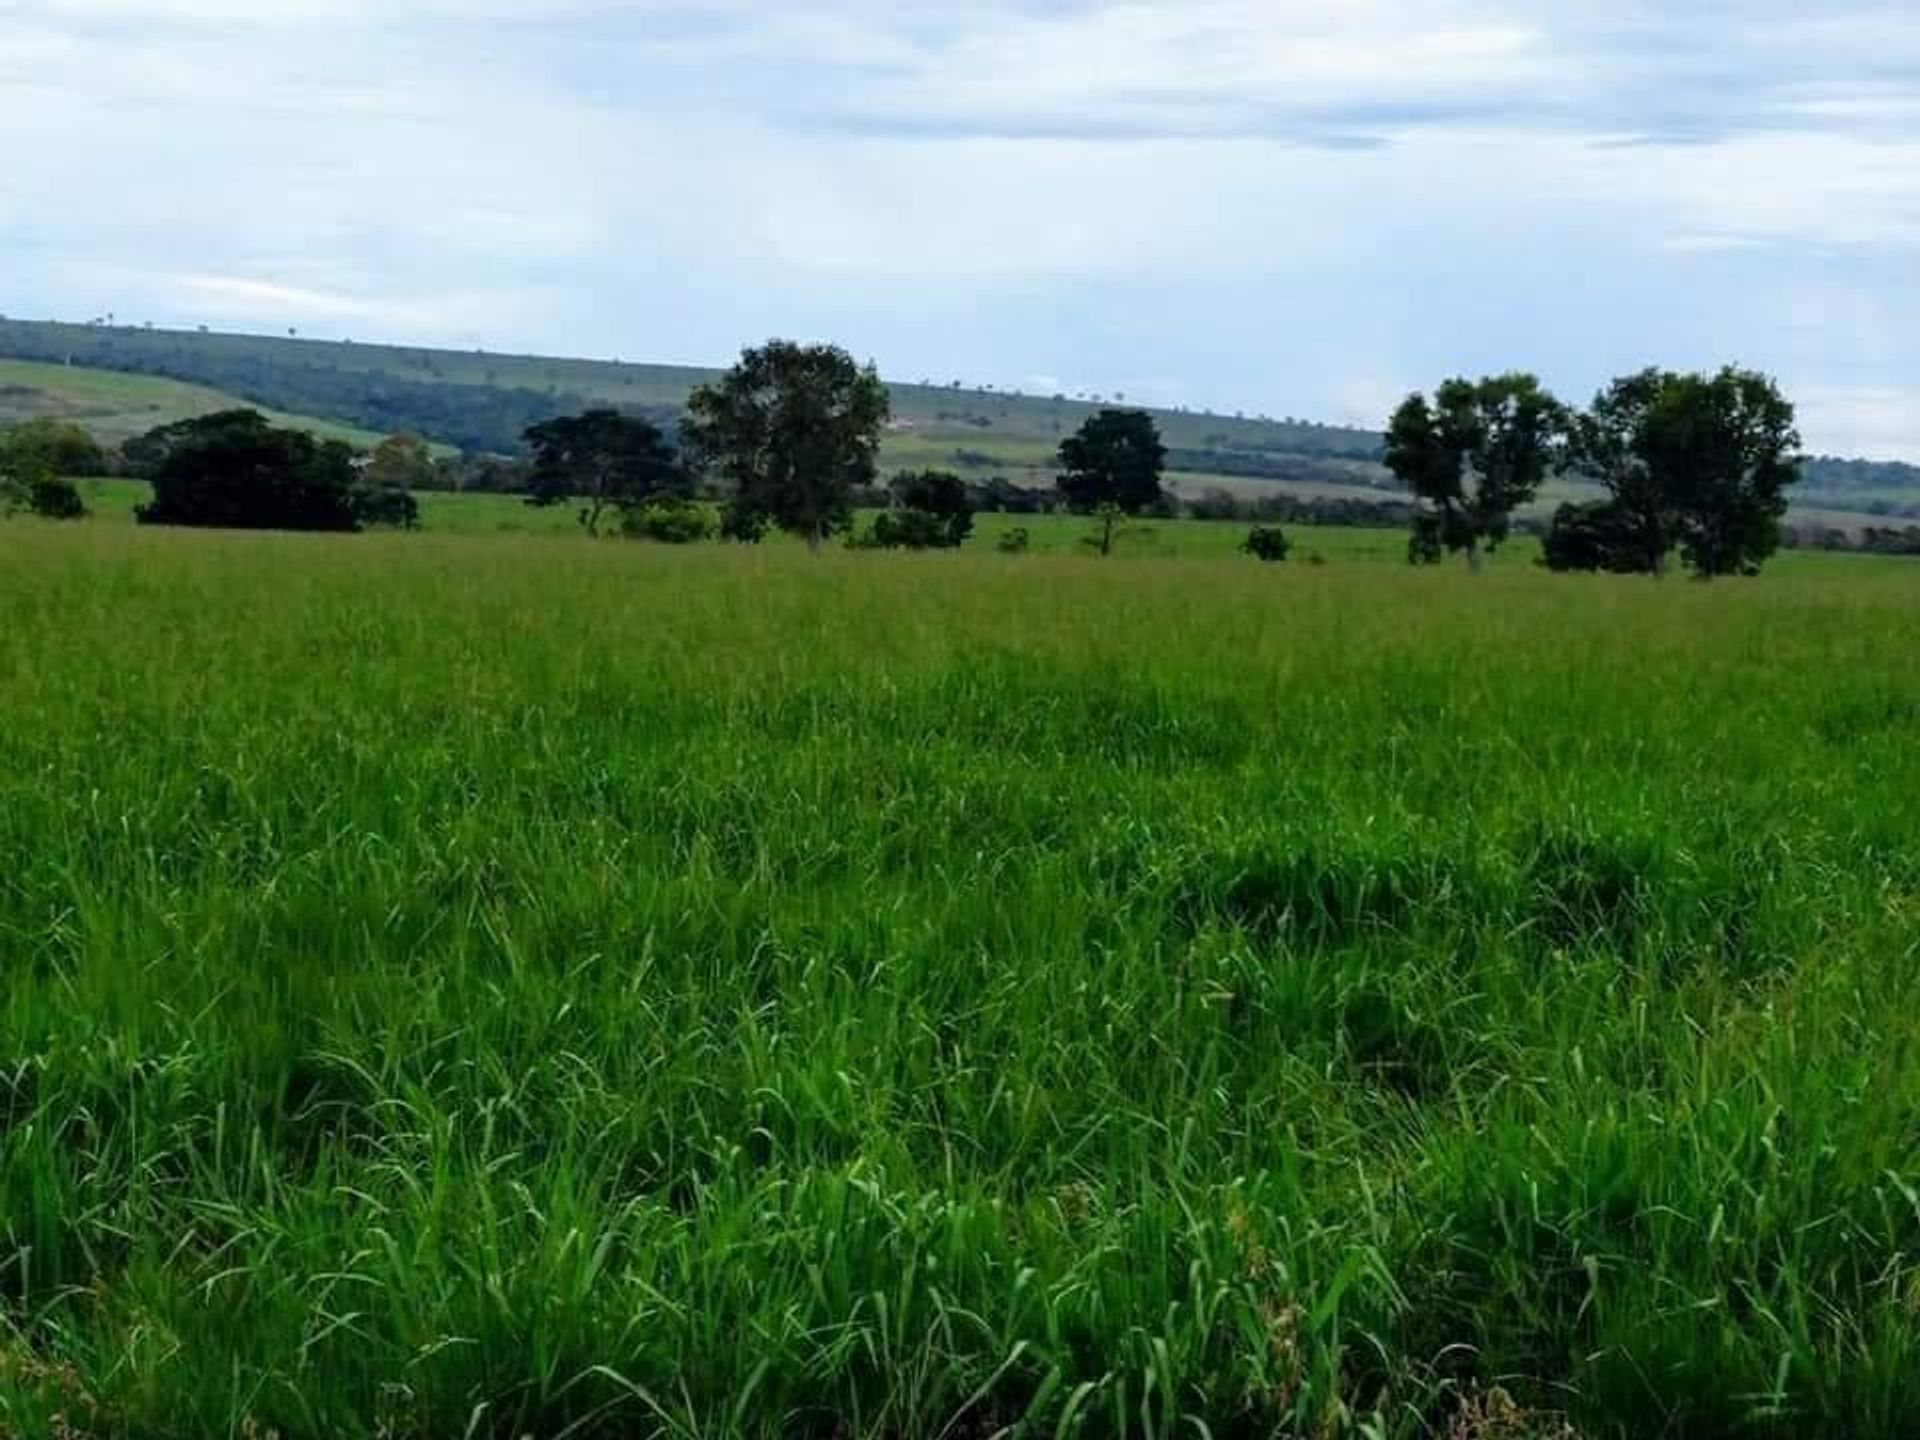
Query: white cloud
{"points": [[1106, 189]]}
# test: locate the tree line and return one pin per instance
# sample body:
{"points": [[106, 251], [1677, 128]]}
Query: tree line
{"points": [[789, 439], [1697, 463]]}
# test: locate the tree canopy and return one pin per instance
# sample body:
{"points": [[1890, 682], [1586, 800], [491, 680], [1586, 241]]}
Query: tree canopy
{"points": [[1701, 461], [1113, 467], [1480, 450], [791, 431], [602, 458], [234, 470], [52, 447]]}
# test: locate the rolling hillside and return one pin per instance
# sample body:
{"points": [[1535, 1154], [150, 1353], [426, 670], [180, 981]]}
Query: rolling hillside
{"points": [[481, 401], [116, 407]]}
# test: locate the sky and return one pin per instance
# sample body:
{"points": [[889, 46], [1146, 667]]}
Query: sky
{"points": [[1286, 207]]}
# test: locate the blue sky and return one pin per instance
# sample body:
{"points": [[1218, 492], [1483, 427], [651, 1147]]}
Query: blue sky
{"points": [[1269, 205]]}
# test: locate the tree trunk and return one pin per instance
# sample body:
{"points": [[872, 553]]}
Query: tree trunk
{"points": [[1106, 536], [816, 537], [1476, 559]]}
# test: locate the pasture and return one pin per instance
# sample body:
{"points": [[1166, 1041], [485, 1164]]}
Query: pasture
{"points": [[492, 985]]}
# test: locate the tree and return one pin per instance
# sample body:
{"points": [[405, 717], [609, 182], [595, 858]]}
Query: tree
{"points": [[791, 430], [1600, 535], [1476, 454], [602, 458], [1606, 444], [1723, 450], [45, 446], [932, 510], [1112, 467], [234, 470]]}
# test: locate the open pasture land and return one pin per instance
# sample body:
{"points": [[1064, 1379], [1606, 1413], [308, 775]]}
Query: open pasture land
{"points": [[472, 985], [115, 407]]}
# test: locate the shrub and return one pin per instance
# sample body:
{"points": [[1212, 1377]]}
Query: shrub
{"points": [[669, 522], [1268, 543], [1596, 536], [1014, 542], [54, 497], [914, 530], [386, 505]]}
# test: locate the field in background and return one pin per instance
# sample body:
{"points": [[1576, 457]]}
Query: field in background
{"points": [[477, 985], [116, 407]]}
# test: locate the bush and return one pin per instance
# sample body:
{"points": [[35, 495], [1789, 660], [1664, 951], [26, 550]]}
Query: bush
{"points": [[54, 497], [669, 522], [914, 530], [56, 447], [1598, 536], [1014, 542], [386, 505], [1268, 543]]}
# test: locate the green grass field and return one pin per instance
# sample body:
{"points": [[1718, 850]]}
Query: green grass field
{"points": [[479, 985]]}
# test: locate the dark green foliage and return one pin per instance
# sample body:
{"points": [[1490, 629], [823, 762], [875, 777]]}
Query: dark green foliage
{"points": [[234, 471], [54, 497], [1701, 461], [385, 506], [932, 510], [669, 521], [1725, 449], [1607, 445], [601, 458], [791, 431], [1113, 467], [1014, 542], [51, 447], [1597, 535], [1267, 542], [1478, 452]]}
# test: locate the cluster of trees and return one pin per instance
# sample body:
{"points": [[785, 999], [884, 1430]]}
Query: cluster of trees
{"points": [[234, 470], [790, 437], [39, 460], [1698, 463]]}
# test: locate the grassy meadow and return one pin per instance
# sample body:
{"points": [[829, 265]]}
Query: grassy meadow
{"points": [[485, 985], [115, 408]]}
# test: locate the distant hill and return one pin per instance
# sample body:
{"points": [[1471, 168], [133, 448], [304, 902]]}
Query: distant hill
{"points": [[481, 402], [116, 407]]}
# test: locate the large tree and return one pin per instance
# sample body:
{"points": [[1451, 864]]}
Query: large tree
{"points": [[235, 471], [1723, 450], [601, 458], [791, 430], [1475, 454], [1698, 461], [1113, 467]]}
